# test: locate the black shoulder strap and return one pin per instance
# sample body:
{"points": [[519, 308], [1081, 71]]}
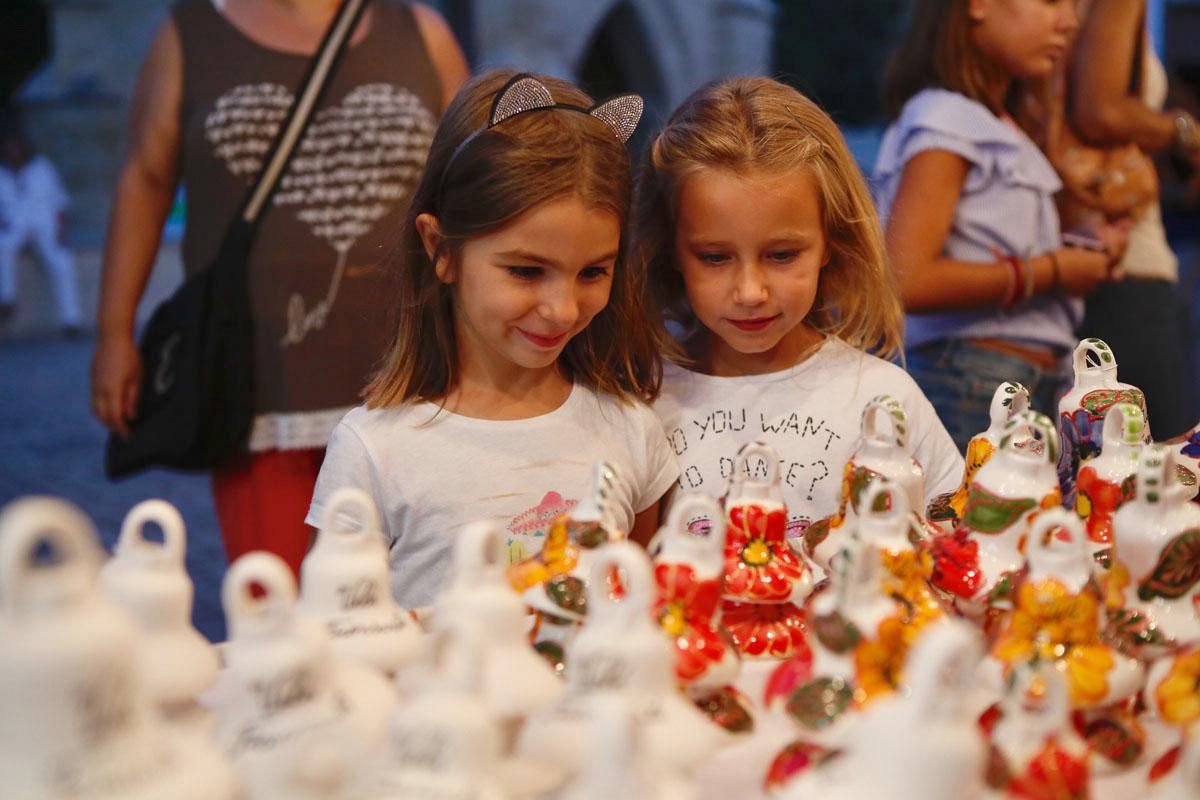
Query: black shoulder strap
{"points": [[312, 85]]}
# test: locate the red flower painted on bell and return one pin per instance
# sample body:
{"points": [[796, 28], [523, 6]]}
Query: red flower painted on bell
{"points": [[956, 565], [760, 566], [766, 630], [685, 610]]}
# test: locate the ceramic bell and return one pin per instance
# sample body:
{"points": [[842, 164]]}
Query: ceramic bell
{"points": [[344, 583], [621, 649], [688, 573], [862, 625], [1035, 751], [479, 604], [1106, 482], [1173, 687], [1059, 617], [296, 720], [78, 721], [553, 583], [149, 582], [918, 744], [1081, 410], [883, 449], [764, 578], [976, 564], [1183, 783], [1157, 569], [1009, 399]]}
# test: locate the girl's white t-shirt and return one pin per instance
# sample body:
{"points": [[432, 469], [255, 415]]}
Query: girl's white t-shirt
{"points": [[432, 472], [810, 414]]}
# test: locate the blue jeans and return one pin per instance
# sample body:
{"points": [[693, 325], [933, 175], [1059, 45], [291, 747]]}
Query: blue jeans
{"points": [[959, 378]]}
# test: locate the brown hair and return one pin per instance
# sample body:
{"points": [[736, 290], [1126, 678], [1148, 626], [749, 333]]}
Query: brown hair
{"points": [[936, 53], [757, 124], [476, 187]]}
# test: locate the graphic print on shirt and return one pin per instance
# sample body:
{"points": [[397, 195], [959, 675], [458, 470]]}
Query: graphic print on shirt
{"points": [[527, 530], [356, 160], [707, 445]]}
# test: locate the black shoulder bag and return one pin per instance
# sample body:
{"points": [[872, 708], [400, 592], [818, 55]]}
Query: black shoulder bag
{"points": [[196, 405]]}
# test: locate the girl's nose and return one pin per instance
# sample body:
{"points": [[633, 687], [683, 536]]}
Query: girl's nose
{"points": [[751, 286], [560, 307]]}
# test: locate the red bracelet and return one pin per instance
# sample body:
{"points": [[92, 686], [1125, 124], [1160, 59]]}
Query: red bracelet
{"points": [[1016, 284]]}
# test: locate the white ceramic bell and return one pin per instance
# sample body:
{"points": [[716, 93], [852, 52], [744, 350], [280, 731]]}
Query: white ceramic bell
{"points": [[1156, 535], [296, 720], [149, 581], [1081, 410], [344, 583], [919, 744], [621, 649], [688, 569], [1008, 491], [1103, 484], [479, 604], [78, 721]]}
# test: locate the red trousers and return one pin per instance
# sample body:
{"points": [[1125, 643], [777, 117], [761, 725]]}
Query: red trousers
{"points": [[262, 499]]}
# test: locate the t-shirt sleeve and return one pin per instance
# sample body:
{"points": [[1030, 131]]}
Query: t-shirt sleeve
{"points": [[933, 448], [348, 462], [658, 468]]}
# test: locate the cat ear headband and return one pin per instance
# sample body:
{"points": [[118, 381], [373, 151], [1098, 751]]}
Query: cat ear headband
{"points": [[524, 93]]}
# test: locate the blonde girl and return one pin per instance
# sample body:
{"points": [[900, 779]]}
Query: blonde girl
{"points": [[758, 234], [968, 202], [522, 354]]}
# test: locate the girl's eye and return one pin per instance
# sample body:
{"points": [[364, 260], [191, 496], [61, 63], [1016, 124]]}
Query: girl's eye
{"points": [[593, 273], [712, 258], [526, 273], [783, 256]]}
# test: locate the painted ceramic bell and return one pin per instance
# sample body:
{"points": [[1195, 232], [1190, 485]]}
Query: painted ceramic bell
{"points": [[1172, 690], [975, 565], [1009, 399], [622, 649], [344, 584], [78, 721], [478, 604], [920, 744], [149, 582], [1035, 751], [862, 625], [688, 573], [765, 578], [1081, 410], [553, 583], [883, 449], [1058, 616], [296, 720], [1106, 482], [1183, 783], [1157, 570]]}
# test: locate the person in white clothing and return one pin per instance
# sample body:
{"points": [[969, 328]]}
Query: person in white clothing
{"points": [[522, 355], [33, 201], [760, 240]]}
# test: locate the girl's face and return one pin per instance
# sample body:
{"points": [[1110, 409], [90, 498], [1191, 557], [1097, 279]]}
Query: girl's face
{"points": [[751, 247], [521, 293], [1024, 37]]}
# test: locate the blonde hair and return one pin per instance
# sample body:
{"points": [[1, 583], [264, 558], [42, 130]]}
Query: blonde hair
{"points": [[476, 181], [757, 124]]}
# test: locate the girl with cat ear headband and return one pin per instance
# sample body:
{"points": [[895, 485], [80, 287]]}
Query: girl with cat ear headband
{"points": [[523, 352]]}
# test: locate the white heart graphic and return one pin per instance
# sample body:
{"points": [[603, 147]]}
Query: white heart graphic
{"points": [[356, 160]]}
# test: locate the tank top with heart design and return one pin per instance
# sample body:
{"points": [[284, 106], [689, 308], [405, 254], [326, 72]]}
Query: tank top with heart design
{"points": [[320, 262]]}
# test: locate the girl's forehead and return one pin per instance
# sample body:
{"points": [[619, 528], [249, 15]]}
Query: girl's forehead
{"points": [[718, 193]]}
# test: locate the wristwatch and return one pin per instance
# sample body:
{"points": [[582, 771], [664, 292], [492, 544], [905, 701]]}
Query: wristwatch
{"points": [[1187, 134]]}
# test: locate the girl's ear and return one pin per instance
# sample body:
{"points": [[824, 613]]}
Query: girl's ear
{"points": [[431, 237]]}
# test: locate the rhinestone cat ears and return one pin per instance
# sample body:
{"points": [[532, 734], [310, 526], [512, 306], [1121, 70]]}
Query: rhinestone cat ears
{"points": [[524, 93]]}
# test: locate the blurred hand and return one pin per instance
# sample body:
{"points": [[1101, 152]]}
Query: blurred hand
{"points": [[116, 381], [1080, 271]]}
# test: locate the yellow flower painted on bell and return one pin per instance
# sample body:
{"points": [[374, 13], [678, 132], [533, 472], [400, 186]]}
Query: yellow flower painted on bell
{"points": [[1051, 623], [906, 579], [1178, 695], [1114, 581], [979, 450], [879, 663]]}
